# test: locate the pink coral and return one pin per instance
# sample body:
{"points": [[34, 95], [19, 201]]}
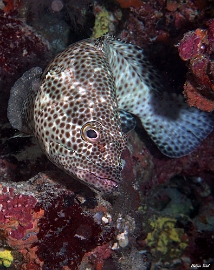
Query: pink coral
{"points": [[197, 47], [15, 214], [192, 44], [15, 206]]}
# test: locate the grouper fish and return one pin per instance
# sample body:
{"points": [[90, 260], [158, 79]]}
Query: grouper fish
{"points": [[81, 106]]}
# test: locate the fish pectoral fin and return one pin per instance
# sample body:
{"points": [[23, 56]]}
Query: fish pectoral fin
{"points": [[19, 93], [128, 121]]}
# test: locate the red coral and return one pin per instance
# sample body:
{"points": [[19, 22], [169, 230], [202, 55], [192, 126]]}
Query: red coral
{"points": [[30, 224], [11, 5], [130, 3], [210, 34], [99, 255], [196, 99], [72, 232], [197, 48], [20, 47]]}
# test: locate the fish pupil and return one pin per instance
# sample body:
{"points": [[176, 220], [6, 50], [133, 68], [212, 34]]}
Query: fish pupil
{"points": [[91, 134]]}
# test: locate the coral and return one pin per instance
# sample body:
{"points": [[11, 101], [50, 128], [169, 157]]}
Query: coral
{"points": [[6, 257], [54, 222], [158, 21], [98, 256], [18, 221], [62, 218], [166, 241], [157, 26], [30, 224], [106, 21], [130, 3], [9, 6], [15, 214], [101, 25], [197, 48]]}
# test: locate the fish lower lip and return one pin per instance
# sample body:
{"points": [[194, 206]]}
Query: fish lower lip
{"points": [[105, 179], [100, 183]]}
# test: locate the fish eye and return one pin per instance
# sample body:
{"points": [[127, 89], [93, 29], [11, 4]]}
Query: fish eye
{"points": [[92, 134], [89, 133]]}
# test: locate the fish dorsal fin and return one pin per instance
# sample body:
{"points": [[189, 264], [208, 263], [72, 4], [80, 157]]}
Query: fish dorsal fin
{"points": [[176, 128], [132, 59]]}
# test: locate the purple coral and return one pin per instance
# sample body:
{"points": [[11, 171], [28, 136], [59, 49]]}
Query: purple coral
{"points": [[72, 232]]}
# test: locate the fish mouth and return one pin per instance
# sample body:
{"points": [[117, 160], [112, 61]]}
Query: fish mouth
{"points": [[103, 184], [93, 179], [106, 181]]}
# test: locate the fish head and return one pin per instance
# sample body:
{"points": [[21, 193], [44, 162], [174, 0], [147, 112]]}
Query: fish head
{"points": [[91, 153], [77, 121]]}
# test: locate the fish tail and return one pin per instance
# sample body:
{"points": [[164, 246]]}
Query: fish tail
{"points": [[176, 128], [19, 94]]}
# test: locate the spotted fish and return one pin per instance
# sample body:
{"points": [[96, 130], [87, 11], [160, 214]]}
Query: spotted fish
{"points": [[79, 107]]}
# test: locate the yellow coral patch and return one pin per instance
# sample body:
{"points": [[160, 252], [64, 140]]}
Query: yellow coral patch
{"points": [[101, 25], [166, 239], [6, 257]]}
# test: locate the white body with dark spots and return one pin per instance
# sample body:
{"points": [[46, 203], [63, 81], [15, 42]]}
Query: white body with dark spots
{"points": [[73, 109]]}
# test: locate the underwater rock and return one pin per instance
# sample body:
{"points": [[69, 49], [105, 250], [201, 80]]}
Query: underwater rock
{"points": [[21, 47]]}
